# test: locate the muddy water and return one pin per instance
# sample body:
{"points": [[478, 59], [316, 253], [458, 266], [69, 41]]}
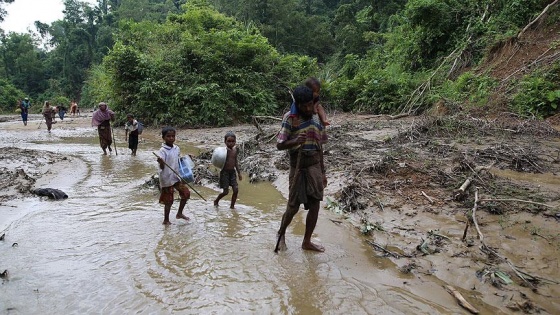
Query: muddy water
{"points": [[104, 249]]}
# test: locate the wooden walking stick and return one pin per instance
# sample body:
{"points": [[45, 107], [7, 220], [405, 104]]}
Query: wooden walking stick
{"points": [[114, 142], [181, 178]]}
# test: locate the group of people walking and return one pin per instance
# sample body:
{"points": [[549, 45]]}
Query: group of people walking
{"points": [[48, 112], [302, 134], [102, 119]]}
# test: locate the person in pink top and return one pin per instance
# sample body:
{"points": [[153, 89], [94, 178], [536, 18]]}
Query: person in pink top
{"points": [[102, 120]]}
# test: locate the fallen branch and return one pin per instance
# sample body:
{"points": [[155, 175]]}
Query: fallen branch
{"points": [[519, 200], [386, 251], [461, 299], [480, 236], [427, 197], [267, 117], [460, 193], [466, 229], [543, 13]]}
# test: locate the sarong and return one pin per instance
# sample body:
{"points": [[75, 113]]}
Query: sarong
{"points": [[105, 136], [306, 182]]}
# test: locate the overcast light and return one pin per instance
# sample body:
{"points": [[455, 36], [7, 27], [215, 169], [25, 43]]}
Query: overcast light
{"points": [[22, 14]]}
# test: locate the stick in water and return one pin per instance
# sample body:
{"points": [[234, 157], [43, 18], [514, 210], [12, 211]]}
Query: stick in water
{"points": [[181, 178], [114, 142]]}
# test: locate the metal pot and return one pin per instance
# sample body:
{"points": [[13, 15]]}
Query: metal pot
{"points": [[219, 157]]}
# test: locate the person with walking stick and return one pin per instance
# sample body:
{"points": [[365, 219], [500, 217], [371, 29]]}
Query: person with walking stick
{"points": [[168, 159], [101, 119], [302, 134]]}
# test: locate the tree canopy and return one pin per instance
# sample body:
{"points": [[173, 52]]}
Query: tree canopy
{"points": [[203, 62]]}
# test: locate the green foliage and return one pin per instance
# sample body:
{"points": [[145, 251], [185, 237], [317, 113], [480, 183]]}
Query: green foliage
{"points": [[199, 68], [22, 63], [9, 96], [538, 94], [467, 88], [369, 86]]}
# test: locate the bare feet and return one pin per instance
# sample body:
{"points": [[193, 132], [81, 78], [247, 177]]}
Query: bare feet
{"points": [[216, 203], [182, 216], [166, 222], [312, 246], [232, 207], [104, 152]]}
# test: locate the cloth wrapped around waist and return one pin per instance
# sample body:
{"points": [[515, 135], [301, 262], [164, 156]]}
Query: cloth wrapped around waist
{"points": [[307, 180], [307, 158]]}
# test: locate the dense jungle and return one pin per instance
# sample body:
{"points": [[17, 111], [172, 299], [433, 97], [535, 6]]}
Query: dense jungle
{"points": [[444, 144]]}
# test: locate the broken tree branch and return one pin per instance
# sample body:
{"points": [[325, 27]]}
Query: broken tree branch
{"points": [[480, 236], [427, 197], [461, 299], [519, 200], [537, 19]]}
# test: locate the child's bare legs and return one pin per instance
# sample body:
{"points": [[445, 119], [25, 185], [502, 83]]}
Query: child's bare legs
{"points": [[220, 196], [180, 214], [322, 115], [166, 212], [234, 197]]}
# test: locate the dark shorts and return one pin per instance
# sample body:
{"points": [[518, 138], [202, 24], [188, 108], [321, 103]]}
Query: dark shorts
{"points": [[228, 178], [133, 141], [166, 196]]}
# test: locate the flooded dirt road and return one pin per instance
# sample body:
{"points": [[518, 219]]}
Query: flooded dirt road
{"points": [[104, 249]]}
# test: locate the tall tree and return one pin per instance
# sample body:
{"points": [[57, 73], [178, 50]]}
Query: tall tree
{"points": [[3, 12], [22, 62]]}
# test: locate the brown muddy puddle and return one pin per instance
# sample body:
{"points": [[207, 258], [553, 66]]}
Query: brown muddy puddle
{"points": [[104, 249]]}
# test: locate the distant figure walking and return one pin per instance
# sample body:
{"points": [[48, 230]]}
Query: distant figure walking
{"points": [[61, 111], [101, 119], [74, 108], [48, 114], [131, 133], [24, 107]]}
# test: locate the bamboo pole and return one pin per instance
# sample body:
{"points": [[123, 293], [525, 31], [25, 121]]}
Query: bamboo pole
{"points": [[181, 178]]}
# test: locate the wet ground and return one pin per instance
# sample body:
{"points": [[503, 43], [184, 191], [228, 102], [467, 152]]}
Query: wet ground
{"points": [[104, 249]]}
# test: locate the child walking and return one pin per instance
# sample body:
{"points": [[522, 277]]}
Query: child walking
{"points": [[131, 133], [168, 180], [230, 171]]}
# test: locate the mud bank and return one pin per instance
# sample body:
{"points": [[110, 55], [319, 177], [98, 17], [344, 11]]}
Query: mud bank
{"points": [[400, 183]]}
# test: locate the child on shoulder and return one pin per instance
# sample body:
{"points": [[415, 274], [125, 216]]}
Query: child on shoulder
{"points": [[230, 171], [168, 158], [315, 86]]}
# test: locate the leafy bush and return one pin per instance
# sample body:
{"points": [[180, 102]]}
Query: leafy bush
{"points": [[9, 96], [538, 94], [199, 68]]}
